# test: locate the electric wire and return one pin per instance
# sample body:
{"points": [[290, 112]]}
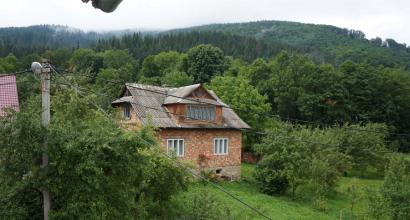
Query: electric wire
{"points": [[223, 189], [245, 130], [78, 88], [266, 114], [228, 107], [13, 74]]}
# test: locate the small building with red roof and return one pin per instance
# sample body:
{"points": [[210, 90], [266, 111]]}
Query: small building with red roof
{"points": [[8, 94]]}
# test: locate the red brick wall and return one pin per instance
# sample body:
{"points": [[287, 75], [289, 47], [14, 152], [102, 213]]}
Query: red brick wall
{"points": [[201, 141]]}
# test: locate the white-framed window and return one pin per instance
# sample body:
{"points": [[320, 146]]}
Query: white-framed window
{"points": [[176, 146], [126, 111], [200, 112], [221, 146]]}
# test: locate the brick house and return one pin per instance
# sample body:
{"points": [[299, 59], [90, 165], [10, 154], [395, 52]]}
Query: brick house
{"points": [[8, 94], [193, 123]]}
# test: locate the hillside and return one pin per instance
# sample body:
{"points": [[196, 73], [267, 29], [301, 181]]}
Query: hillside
{"points": [[324, 43], [282, 207], [36, 39]]}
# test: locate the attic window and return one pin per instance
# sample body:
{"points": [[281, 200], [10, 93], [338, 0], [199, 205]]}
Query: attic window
{"points": [[126, 111], [198, 93], [199, 112]]}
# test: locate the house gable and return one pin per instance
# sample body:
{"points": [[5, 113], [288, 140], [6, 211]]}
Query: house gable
{"points": [[166, 107]]}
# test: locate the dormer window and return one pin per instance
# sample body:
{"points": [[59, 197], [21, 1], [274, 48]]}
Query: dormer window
{"points": [[126, 111], [201, 112]]}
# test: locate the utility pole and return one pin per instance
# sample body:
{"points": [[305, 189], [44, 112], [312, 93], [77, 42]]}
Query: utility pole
{"points": [[44, 70], [45, 117]]}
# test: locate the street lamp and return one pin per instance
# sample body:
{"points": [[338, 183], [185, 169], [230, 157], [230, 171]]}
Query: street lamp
{"points": [[36, 68]]}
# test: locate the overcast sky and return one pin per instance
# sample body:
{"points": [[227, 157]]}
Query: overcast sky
{"points": [[384, 18]]}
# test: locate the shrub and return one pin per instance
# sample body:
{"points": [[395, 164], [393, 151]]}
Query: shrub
{"points": [[393, 197], [293, 156], [202, 205], [270, 177], [366, 151]]}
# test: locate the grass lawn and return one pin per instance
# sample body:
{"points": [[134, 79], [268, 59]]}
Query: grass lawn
{"points": [[282, 207]]}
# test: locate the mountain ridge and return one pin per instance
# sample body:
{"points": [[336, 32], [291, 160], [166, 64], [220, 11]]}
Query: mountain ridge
{"points": [[323, 43]]}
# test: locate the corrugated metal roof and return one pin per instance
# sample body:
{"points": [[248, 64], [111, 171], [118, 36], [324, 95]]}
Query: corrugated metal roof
{"points": [[123, 99], [8, 94], [149, 104], [193, 101]]}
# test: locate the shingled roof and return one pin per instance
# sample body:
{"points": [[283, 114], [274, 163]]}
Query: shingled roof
{"points": [[149, 104], [8, 94]]}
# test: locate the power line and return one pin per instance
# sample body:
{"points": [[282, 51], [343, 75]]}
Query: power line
{"points": [[291, 137], [5, 75], [13, 74], [176, 161], [271, 115], [266, 114], [198, 101], [17, 82], [246, 130], [138, 104]]}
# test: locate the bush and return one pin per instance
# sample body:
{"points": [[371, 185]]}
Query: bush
{"points": [[323, 177], [366, 151], [202, 205], [292, 157], [162, 179], [393, 197], [270, 177]]}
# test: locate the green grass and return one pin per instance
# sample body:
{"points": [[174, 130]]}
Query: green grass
{"points": [[282, 207], [405, 156]]}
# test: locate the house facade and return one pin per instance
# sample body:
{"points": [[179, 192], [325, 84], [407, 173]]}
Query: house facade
{"points": [[193, 124], [8, 94]]}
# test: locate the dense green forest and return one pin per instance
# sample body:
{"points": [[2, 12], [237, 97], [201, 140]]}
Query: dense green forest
{"points": [[325, 105], [39, 38], [322, 43]]}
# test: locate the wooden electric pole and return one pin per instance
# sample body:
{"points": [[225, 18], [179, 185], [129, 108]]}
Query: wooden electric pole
{"points": [[45, 116]]}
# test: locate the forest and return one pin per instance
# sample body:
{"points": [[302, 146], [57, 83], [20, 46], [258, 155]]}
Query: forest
{"points": [[326, 106]]}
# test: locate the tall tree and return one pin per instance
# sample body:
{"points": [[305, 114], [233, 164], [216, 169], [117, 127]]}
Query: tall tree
{"points": [[205, 61], [245, 100]]}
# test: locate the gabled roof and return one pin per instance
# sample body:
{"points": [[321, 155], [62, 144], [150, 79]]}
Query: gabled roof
{"points": [[180, 95], [149, 102], [8, 94]]}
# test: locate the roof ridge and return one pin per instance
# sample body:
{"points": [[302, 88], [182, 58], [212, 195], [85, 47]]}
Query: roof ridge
{"points": [[149, 86], [181, 87]]}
